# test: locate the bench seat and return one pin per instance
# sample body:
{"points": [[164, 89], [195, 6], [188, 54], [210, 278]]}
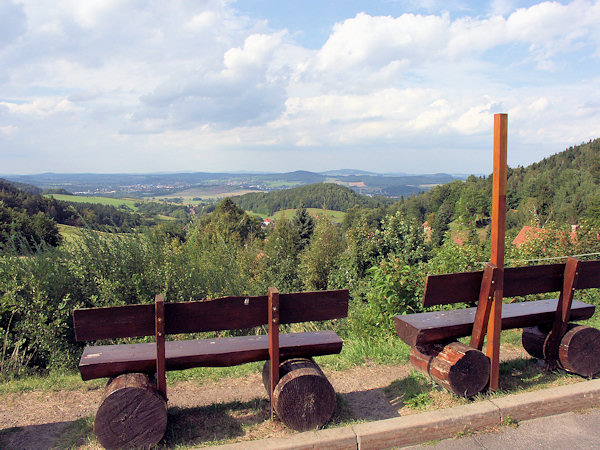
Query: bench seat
{"points": [[438, 326], [111, 360]]}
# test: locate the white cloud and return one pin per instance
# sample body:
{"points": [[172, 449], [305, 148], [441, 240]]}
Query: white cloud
{"points": [[200, 78]]}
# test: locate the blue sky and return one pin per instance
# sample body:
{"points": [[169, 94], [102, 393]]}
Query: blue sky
{"points": [[214, 85]]}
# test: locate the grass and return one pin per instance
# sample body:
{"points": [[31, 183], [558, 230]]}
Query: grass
{"points": [[77, 433], [335, 216], [51, 382], [205, 193], [116, 202]]}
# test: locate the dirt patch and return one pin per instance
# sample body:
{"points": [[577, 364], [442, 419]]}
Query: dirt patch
{"points": [[237, 407]]}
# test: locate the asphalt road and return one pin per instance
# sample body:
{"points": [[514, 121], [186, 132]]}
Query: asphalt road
{"points": [[572, 430]]}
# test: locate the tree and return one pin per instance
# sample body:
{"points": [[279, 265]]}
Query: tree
{"points": [[320, 257], [304, 226], [230, 222], [280, 261]]}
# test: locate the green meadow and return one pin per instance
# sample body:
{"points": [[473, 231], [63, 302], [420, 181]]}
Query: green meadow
{"points": [[116, 202]]}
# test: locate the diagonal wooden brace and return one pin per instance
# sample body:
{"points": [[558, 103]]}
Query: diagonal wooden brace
{"points": [[484, 305], [563, 313]]}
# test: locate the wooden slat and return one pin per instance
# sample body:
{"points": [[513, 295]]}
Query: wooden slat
{"points": [[589, 275], [450, 288], [228, 313], [313, 306], [111, 360], [92, 324], [439, 326], [520, 281], [464, 287]]}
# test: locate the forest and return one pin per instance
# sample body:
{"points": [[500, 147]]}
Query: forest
{"points": [[382, 252]]}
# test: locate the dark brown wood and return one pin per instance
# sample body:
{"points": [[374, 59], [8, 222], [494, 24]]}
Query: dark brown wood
{"points": [[92, 324], [440, 326], [579, 350], [161, 376], [534, 339], [228, 313], [589, 275], [457, 367], [273, 340], [464, 287], [283, 369], [132, 414], [484, 305], [563, 312], [304, 398], [110, 360]]}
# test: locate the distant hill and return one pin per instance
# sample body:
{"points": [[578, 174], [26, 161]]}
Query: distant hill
{"points": [[561, 190], [322, 195], [346, 172], [158, 184]]}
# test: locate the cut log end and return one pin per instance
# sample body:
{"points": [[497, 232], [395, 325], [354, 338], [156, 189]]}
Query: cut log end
{"points": [[457, 367], [132, 413], [304, 398], [579, 350]]}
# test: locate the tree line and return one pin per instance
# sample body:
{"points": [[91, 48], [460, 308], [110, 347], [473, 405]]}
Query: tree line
{"points": [[320, 195]]}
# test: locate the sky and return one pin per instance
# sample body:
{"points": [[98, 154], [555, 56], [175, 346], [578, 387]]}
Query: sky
{"points": [[281, 85]]}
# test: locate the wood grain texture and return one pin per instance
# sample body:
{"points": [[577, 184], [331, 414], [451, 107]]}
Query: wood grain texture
{"points": [[132, 414], [459, 368], [161, 375], [111, 360], [273, 340], [562, 313], [484, 305], [439, 326], [464, 287], [579, 349], [497, 246], [227, 313], [304, 398]]}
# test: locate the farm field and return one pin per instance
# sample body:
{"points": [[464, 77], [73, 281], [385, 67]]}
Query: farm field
{"points": [[205, 193], [116, 202], [335, 216]]}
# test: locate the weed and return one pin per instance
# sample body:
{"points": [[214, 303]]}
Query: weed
{"points": [[462, 434], [509, 422]]}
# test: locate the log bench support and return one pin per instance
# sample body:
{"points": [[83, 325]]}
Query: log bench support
{"points": [[133, 412]]}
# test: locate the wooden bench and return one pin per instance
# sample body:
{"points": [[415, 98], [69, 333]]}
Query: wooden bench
{"points": [[547, 333], [133, 411]]}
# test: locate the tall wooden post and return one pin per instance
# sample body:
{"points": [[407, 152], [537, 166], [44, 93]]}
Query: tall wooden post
{"points": [[497, 258], [273, 341]]}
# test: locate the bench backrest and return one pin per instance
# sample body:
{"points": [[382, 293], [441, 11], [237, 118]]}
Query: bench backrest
{"points": [[227, 313], [518, 281]]}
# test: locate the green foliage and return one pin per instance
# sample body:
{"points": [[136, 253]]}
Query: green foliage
{"points": [[320, 195], [320, 257], [304, 226], [229, 221], [278, 265], [395, 289], [396, 281]]}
